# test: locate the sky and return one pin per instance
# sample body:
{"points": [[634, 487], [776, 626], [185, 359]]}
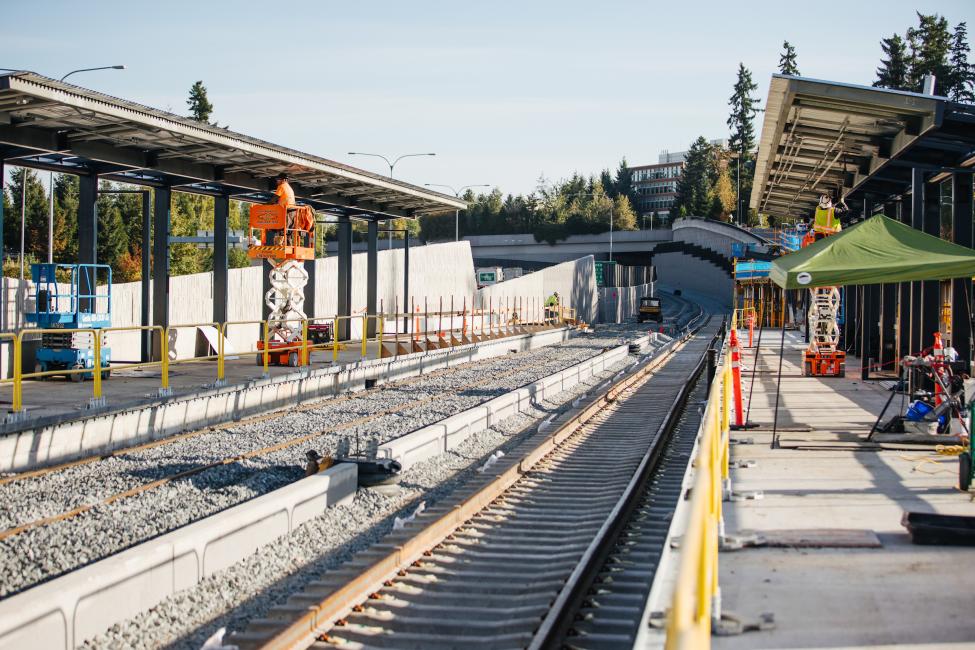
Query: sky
{"points": [[503, 92]]}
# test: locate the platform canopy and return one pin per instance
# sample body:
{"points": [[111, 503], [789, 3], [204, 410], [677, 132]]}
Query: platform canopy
{"points": [[848, 141], [876, 251], [48, 124]]}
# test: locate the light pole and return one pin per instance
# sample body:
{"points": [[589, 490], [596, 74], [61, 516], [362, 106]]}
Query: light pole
{"points": [[391, 166], [456, 193], [50, 208]]}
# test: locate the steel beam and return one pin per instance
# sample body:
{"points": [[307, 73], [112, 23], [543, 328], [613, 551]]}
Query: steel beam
{"points": [[162, 206], [372, 274], [221, 214], [87, 219], [917, 222], [344, 275], [931, 289], [903, 214], [146, 311], [961, 288]]}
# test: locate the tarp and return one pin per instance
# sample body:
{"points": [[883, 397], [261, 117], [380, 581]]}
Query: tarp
{"points": [[874, 251]]}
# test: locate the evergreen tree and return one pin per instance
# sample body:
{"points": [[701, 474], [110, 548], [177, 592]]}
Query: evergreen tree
{"points": [[66, 218], [741, 123], [893, 70], [113, 242], [623, 183], [930, 45], [787, 60], [962, 80], [35, 214], [200, 106], [694, 185]]}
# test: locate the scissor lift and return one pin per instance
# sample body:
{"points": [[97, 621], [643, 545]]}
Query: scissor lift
{"points": [[287, 238], [79, 306]]}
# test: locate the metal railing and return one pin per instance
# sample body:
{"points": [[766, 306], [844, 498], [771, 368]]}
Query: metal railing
{"points": [[696, 600], [421, 332]]}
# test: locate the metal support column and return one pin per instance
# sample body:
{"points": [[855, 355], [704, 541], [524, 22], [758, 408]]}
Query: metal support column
{"points": [[266, 266], [344, 276], [221, 215], [145, 352], [3, 310], [931, 289], [310, 266], [961, 288], [87, 220], [372, 275], [160, 256], [406, 274], [903, 294], [917, 222]]}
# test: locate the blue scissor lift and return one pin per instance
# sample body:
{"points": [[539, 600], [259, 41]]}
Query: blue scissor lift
{"points": [[80, 307]]}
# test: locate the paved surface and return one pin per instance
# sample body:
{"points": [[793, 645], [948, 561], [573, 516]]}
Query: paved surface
{"points": [[841, 597]]}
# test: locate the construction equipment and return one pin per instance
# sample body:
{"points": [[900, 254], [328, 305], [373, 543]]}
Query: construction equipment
{"points": [[823, 357], [287, 238], [650, 310], [71, 305]]}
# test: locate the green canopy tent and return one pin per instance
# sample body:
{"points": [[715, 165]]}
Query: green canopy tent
{"points": [[876, 251]]}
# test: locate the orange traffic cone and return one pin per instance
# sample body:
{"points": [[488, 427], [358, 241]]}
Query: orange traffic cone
{"points": [[736, 379], [938, 366]]}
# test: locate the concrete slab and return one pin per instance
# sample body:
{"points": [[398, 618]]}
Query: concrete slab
{"points": [[827, 478]]}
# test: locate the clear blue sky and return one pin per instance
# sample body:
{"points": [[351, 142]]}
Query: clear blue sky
{"points": [[502, 91]]}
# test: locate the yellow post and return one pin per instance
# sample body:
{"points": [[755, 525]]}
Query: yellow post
{"points": [[335, 339], [18, 372], [267, 345], [304, 358], [97, 376], [365, 330], [221, 335], [164, 352]]}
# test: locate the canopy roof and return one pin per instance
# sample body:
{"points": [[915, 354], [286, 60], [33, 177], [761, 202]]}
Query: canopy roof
{"points": [[848, 141], [49, 124], [875, 251]]}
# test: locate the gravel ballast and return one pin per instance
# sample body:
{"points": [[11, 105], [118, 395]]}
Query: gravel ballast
{"points": [[250, 588], [54, 549]]}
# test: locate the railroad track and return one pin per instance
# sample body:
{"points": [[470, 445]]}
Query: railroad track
{"points": [[509, 560]]}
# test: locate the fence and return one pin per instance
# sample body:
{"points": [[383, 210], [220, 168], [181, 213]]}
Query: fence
{"points": [[417, 330], [697, 598]]}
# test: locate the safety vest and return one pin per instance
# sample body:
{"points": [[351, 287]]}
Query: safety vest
{"points": [[552, 301], [826, 221], [286, 195]]}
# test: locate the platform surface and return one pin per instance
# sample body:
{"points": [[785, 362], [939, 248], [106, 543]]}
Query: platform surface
{"points": [[826, 477]]}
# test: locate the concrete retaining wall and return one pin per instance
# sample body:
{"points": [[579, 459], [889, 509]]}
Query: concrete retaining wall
{"points": [[575, 282], [617, 304], [442, 436], [57, 442], [712, 234], [440, 270], [62, 613], [684, 272]]}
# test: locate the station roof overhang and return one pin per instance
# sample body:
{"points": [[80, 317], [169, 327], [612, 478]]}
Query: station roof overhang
{"points": [[48, 124], [852, 142]]}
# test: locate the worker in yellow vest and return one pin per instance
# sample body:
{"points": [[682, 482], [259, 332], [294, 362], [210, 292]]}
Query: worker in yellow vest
{"points": [[826, 222]]}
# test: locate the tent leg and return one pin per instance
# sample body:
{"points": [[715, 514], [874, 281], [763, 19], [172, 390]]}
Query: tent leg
{"points": [[778, 385]]}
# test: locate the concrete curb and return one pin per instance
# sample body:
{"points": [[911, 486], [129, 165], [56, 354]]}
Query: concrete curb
{"points": [[446, 434], [100, 433], [67, 610]]}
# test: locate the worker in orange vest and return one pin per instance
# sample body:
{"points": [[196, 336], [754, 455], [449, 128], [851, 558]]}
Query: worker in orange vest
{"points": [[286, 195]]}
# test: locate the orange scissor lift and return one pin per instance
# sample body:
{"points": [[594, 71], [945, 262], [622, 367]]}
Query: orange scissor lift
{"points": [[287, 239], [823, 357]]}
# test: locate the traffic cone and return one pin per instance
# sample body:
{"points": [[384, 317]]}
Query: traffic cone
{"points": [[736, 379], [938, 366]]}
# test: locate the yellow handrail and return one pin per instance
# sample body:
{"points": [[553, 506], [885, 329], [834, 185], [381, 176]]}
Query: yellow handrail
{"points": [[696, 589]]}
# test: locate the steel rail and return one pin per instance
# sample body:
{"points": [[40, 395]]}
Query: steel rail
{"points": [[321, 606], [557, 623]]}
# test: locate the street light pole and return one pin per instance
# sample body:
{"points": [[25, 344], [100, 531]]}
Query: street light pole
{"points": [[50, 207], [456, 193], [392, 165]]}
